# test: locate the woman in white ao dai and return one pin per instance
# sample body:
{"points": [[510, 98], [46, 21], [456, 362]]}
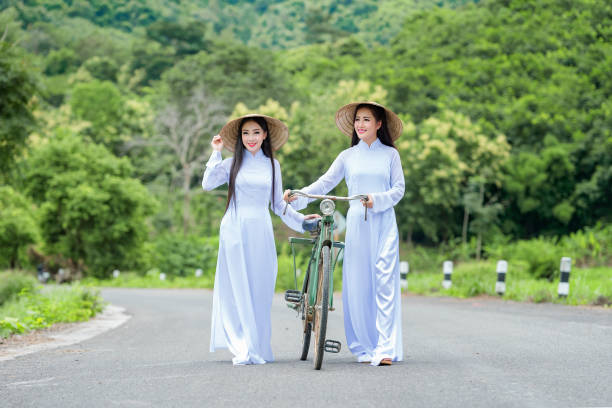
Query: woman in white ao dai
{"points": [[247, 264], [371, 293]]}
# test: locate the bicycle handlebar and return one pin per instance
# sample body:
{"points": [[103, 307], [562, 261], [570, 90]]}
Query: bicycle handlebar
{"points": [[329, 197], [362, 197]]}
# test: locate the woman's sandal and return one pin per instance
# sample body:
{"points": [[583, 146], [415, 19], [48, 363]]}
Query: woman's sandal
{"points": [[385, 362]]}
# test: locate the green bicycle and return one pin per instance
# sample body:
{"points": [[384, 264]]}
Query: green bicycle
{"points": [[315, 298]]}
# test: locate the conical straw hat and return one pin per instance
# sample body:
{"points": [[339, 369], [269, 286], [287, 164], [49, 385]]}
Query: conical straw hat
{"points": [[277, 131], [346, 115]]}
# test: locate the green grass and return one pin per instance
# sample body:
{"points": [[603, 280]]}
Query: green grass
{"points": [[42, 307], [284, 280], [588, 286], [12, 283], [134, 280]]}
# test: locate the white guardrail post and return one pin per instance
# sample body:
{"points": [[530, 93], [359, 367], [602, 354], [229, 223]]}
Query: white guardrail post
{"points": [[566, 267], [500, 285], [447, 269], [404, 269]]}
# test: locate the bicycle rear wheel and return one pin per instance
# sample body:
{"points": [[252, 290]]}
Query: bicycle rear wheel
{"points": [[321, 307], [306, 319]]}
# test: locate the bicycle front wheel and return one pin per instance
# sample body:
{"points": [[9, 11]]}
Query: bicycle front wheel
{"points": [[321, 307]]}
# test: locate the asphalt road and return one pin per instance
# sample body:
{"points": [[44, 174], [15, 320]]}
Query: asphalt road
{"points": [[459, 353]]}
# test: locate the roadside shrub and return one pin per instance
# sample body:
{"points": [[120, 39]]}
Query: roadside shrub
{"points": [[33, 309], [590, 246], [18, 228], [177, 255], [11, 284], [424, 259], [541, 255]]}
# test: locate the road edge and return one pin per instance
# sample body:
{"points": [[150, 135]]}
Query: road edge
{"points": [[111, 317]]}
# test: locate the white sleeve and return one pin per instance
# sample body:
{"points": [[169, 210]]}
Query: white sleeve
{"points": [[217, 171], [292, 218], [324, 184], [387, 199]]}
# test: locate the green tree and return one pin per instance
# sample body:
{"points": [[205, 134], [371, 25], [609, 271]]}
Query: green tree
{"points": [[443, 158], [152, 58], [232, 73], [93, 214], [433, 171], [102, 68], [533, 71], [101, 104], [18, 227], [61, 61], [18, 85], [186, 39]]}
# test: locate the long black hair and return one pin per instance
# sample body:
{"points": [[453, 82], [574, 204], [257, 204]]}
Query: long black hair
{"points": [[382, 133], [239, 149]]}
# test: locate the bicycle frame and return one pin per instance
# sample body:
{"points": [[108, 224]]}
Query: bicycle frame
{"points": [[325, 237], [316, 297]]}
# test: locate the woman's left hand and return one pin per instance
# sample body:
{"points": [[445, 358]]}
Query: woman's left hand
{"points": [[311, 216], [369, 203]]}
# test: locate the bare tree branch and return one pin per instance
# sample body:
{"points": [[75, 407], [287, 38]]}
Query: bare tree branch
{"points": [[184, 130]]}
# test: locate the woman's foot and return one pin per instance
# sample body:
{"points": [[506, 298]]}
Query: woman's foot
{"points": [[385, 362]]}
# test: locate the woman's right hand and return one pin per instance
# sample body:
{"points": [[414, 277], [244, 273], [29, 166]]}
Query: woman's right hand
{"points": [[287, 197], [217, 143]]}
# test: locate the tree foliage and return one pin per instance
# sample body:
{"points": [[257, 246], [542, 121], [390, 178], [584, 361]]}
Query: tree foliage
{"points": [[233, 73], [18, 227], [18, 86], [92, 212], [532, 71], [460, 74]]}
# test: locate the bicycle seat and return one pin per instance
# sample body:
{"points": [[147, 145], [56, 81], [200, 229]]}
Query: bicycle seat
{"points": [[311, 224]]}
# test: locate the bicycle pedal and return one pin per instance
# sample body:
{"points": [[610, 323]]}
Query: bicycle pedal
{"points": [[332, 346], [293, 296]]}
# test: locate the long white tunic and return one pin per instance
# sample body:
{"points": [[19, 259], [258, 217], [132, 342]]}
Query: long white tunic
{"points": [[370, 281], [246, 265]]}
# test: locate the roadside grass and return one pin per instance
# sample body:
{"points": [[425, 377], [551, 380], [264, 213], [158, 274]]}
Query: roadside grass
{"points": [[151, 280], [588, 286], [285, 278], [41, 307]]}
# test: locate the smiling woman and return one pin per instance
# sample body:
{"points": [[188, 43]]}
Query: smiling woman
{"points": [[370, 278], [247, 264]]}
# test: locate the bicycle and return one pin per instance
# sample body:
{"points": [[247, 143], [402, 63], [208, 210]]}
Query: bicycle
{"points": [[314, 301]]}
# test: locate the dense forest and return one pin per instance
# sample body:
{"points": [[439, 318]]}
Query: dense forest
{"points": [[107, 111]]}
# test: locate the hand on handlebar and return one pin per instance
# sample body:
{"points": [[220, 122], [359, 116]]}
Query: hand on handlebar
{"points": [[288, 197], [369, 203]]}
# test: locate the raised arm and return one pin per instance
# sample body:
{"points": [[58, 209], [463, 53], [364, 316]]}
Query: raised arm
{"points": [[324, 184], [387, 199], [292, 218], [217, 171]]}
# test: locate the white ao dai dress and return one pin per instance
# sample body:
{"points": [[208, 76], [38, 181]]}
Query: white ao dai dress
{"points": [[246, 264], [371, 294]]}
